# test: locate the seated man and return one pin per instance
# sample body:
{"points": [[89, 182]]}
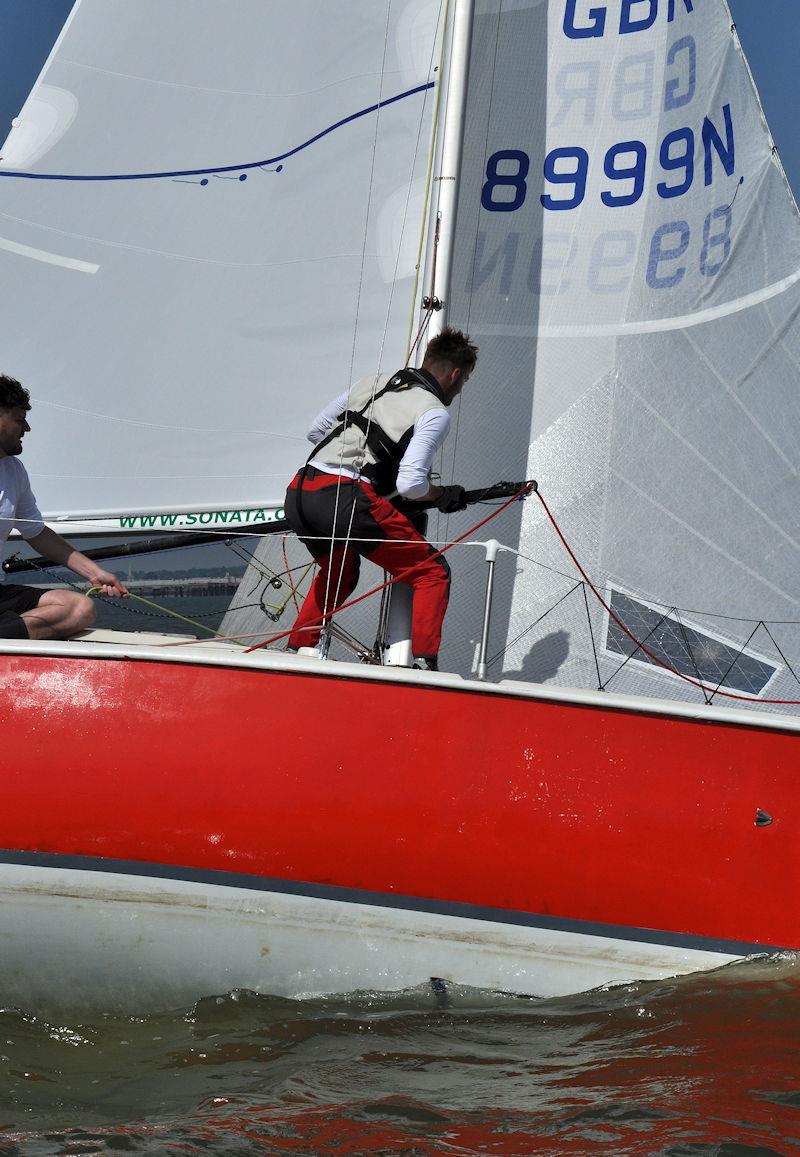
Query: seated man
{"points": [[33, 612], [372, 443]]}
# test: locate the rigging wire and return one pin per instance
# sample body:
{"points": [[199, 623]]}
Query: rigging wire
{"points": [[431, 308], [591, 636], [732, 663], [337, 499], [640, 644], [780, 652], [653, 657], [403, 575], [689, 650], [530, 627], [164, 612], [353, 351], [288, 573]]}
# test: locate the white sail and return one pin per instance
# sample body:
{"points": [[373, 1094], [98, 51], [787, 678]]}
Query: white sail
{"points": [[210, 219], [206, 243], [628, 261]]}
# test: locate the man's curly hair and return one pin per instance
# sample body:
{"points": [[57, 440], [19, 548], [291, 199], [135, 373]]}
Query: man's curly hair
{"points": [[13, 395], [454, 347]]}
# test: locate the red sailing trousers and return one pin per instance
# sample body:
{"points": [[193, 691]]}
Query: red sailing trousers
{"points": [[374, 529]]}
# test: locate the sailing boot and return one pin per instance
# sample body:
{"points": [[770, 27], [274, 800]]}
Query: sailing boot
{"points": [[425, 663]]}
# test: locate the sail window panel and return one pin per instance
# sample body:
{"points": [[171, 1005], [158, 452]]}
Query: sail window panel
{"points": [[686, 648]]}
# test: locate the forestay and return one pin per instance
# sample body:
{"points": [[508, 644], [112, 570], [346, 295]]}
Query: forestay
{"points": [[628, 259], [203, 208]]}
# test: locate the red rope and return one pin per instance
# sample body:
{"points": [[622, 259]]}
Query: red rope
{"points": [[640, 645], [420, 331], [403, 574], [289, 576]]}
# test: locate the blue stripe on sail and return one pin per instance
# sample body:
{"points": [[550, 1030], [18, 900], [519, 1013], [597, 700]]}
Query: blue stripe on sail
{"points": [[222, 168]]}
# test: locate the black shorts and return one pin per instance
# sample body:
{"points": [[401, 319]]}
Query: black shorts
{"points": [[14, 600]]}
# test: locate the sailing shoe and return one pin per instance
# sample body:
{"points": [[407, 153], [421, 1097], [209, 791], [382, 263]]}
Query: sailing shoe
{"points": [[425, 663]]}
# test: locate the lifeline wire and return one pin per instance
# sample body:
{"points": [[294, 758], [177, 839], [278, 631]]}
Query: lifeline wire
{"points": [[655, 658], [523, 492]]}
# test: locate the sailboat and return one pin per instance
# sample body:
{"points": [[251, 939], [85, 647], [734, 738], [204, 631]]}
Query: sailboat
{"points": [[204, 238]]}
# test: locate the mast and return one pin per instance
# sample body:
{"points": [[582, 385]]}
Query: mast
{"points": [[439, 251], [447, 164]]}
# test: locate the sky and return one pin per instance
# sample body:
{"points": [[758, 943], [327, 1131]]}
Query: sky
{"points": [[770, 34], [27, 31]]}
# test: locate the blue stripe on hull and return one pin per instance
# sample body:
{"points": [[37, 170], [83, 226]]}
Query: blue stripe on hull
{"points": [[220, 878]]}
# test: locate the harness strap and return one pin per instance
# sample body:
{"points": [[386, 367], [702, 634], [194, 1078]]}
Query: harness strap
{"points": [[381, 445]]}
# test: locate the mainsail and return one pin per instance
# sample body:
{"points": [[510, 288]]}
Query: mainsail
{"points": [[206, 243], [628, 260], [210, 217]]}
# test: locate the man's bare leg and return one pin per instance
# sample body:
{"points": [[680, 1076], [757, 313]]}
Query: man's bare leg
{"points": [[58, 615]]}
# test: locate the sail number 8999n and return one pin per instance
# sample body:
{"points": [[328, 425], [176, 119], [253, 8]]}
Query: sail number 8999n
{"points": [[567, 169]]}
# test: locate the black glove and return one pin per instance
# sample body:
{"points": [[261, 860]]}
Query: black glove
{"points": [[452, 498]]}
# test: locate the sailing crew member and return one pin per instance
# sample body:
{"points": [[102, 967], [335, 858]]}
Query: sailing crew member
{"points": [[34, 612], [375, 442]]}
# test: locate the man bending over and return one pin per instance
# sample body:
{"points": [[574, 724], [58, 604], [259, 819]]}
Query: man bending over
{"points": [[372, 443]]}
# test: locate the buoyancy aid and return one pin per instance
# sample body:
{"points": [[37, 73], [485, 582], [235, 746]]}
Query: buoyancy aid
{"points": [[372, 436]]}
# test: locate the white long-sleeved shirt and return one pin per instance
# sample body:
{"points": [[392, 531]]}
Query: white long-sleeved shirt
{"points": [[413, 476], [18, 509]]}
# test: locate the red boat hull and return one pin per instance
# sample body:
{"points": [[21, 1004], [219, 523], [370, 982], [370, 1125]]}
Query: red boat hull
{"points": [[568, 812]]}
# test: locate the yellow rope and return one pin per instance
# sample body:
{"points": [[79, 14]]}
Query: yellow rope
{"points": [[276, 609], [282, 606], [166, 611]]}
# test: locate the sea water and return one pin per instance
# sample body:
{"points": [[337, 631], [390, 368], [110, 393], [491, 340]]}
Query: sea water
{"points": [[701, 1065]]}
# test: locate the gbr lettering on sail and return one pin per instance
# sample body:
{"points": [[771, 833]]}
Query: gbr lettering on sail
{"points": [[632, 174]]}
